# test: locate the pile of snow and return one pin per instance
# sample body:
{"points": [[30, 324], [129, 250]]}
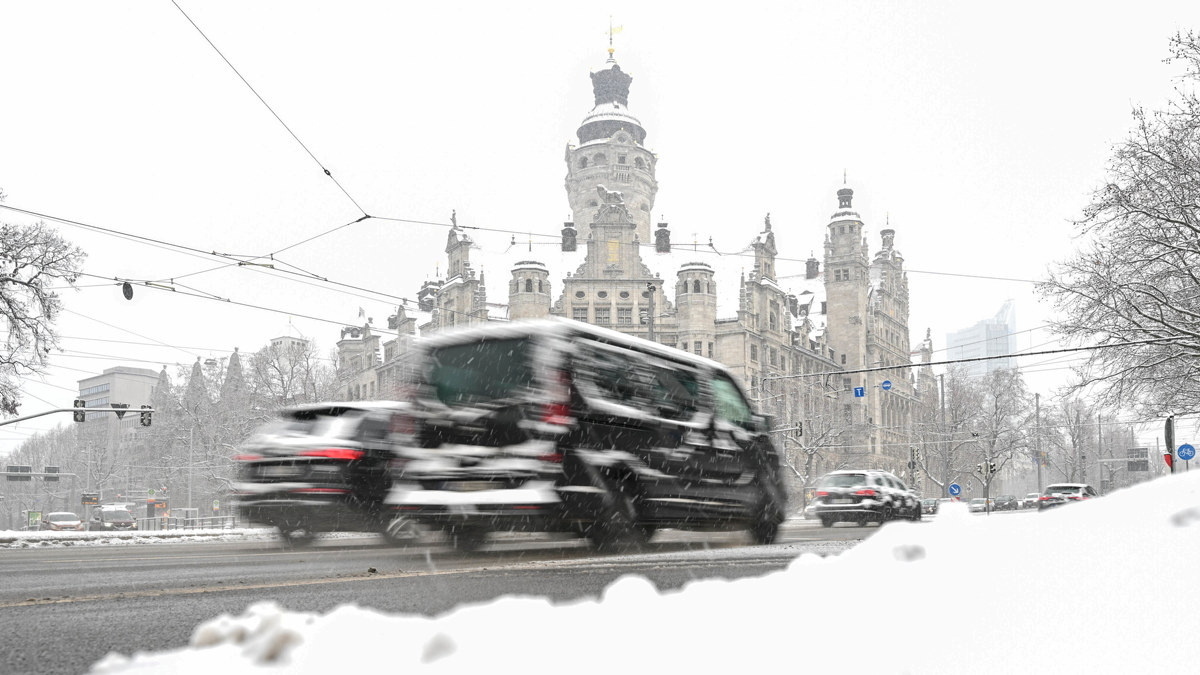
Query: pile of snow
{"points": [[1101, 586], [52, 539]]}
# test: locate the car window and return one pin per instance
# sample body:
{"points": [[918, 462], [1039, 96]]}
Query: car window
{"points": [[843, 480], [482, 371], [619, 376], [877, 480], [728, 401]]}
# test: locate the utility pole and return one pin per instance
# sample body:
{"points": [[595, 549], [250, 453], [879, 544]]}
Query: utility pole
{"points": [[1037, 439], [650, 308], [945, 433]]}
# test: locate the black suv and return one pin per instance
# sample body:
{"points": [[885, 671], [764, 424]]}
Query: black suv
{"points": [[323, 467], [560, 426], [862, 496]]}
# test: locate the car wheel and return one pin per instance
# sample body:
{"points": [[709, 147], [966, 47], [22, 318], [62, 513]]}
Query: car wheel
{"points": [[917, 513], [400, 531], [467, 539], [826, 522], [769, 513], [617, 528], [296, 536], [887, 514]]}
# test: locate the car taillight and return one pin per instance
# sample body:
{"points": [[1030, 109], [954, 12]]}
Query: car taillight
{"points": [[334, 453], [822, 493], [321, 491], [866, 492], [556, 457], [558, 409], [246, 458], [1044, 498]]}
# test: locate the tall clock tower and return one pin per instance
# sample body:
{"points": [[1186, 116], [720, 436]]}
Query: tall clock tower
{"points": [[611, 153]]}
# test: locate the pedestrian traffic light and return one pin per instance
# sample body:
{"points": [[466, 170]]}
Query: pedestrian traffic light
{"points": [[146, 412], [79, 413]]}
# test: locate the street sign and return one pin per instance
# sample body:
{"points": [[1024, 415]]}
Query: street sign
{"points": [[860, 392], [886, 385], [89, 499], [1186, 452], [151, 491], [955, 489], [216, 505]]}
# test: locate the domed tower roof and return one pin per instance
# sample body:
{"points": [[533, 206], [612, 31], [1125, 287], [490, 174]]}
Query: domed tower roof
{"points": [[610, 86], [845, 211]]}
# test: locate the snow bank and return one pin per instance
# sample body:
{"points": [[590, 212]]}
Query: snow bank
{"points": [[1101, 586]]}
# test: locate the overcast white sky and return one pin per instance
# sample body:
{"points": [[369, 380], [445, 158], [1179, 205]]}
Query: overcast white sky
{"points": [[977, 131]]}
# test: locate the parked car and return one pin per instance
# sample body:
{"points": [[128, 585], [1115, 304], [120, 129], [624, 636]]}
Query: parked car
{"points": [[929, 505], [323, 467], [111, 519], [982, 505], [1031, 500], [560, 426], [1005, 503], [1062, 493], [59, 521], [862, 496]]}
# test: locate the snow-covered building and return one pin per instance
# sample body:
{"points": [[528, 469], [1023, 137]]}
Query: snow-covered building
{"points": [[799, 344]]}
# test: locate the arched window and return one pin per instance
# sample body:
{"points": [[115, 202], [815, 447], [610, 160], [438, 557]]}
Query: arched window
{"points": [[529, 285], [637, 161], [583, 162], [599, 158], [696, 286], [539, 285]]}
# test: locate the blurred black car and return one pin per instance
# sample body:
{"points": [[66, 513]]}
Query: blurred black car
{"points": [[1064, 493], [1005, 503], [862, 496], [106, 519], [323, 467], [560, 426]]}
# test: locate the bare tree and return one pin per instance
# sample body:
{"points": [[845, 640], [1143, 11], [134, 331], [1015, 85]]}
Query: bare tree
{"points": [[33, 258], [1138, 276]]}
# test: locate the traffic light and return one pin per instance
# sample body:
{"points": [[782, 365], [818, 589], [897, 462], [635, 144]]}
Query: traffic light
{"points": [[979, 469], [146, 412], [79, 413], [991, 467]]}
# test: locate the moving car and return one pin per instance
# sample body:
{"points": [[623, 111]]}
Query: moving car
{"points": [[862, 496], [560, 426], [323, 467], [1062, 493], [111, 519], [929, 505], [1030, 501], [59, 521]]}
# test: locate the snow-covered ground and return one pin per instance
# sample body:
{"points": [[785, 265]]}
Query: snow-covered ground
{"points": [[48, 539], [1106, 586]]}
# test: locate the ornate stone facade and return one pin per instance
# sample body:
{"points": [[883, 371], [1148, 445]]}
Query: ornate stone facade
{"points": [[796, 351]]}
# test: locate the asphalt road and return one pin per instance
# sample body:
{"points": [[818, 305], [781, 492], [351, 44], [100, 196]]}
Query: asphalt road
{"points": [[62, 609]]}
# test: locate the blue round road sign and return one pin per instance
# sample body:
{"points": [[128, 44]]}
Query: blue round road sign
{"points": [[955, 489], [887, 384], [1186, 452]]}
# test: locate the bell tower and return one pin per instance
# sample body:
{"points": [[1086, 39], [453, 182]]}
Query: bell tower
{"points": [[611, 152]]}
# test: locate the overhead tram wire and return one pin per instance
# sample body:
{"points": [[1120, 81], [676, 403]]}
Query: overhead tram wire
{"points": [[907, 366], [271, 110], [247, 261]]}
